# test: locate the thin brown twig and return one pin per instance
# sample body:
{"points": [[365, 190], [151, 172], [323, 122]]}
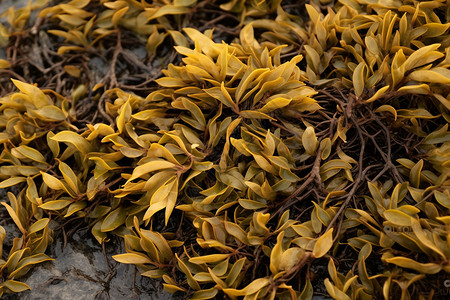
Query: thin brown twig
{"points": [[312, 176], [101, 109], [355, 184]]}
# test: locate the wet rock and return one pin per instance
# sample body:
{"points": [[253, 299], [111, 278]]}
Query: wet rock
{"points": [[81, 271]]}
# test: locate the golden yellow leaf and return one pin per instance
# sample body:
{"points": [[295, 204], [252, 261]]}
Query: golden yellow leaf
{"points": [[359, 78], [132, 258], [72, 70], [276, 254], [118, 15], [151, 166], [212, 258], [397, 217], [378, 94], [80, 143], [425, 268], [309, 140], [55, 204], [323, 244], [4, 64]]}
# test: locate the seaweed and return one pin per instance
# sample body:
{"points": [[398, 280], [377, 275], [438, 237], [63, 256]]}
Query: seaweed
{"points": [[258, 149]]}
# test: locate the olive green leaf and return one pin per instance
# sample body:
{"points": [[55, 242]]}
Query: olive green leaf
{"points": [[14, 216], [15, 286]]}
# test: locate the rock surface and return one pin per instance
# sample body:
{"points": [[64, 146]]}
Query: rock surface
{"points": [[80, 271]]}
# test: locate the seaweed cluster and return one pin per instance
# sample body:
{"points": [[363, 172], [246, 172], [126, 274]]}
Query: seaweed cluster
{"points": [[258, 149]]}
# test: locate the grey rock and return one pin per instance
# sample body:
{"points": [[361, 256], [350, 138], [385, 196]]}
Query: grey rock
{"points": [[81, 271]]}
